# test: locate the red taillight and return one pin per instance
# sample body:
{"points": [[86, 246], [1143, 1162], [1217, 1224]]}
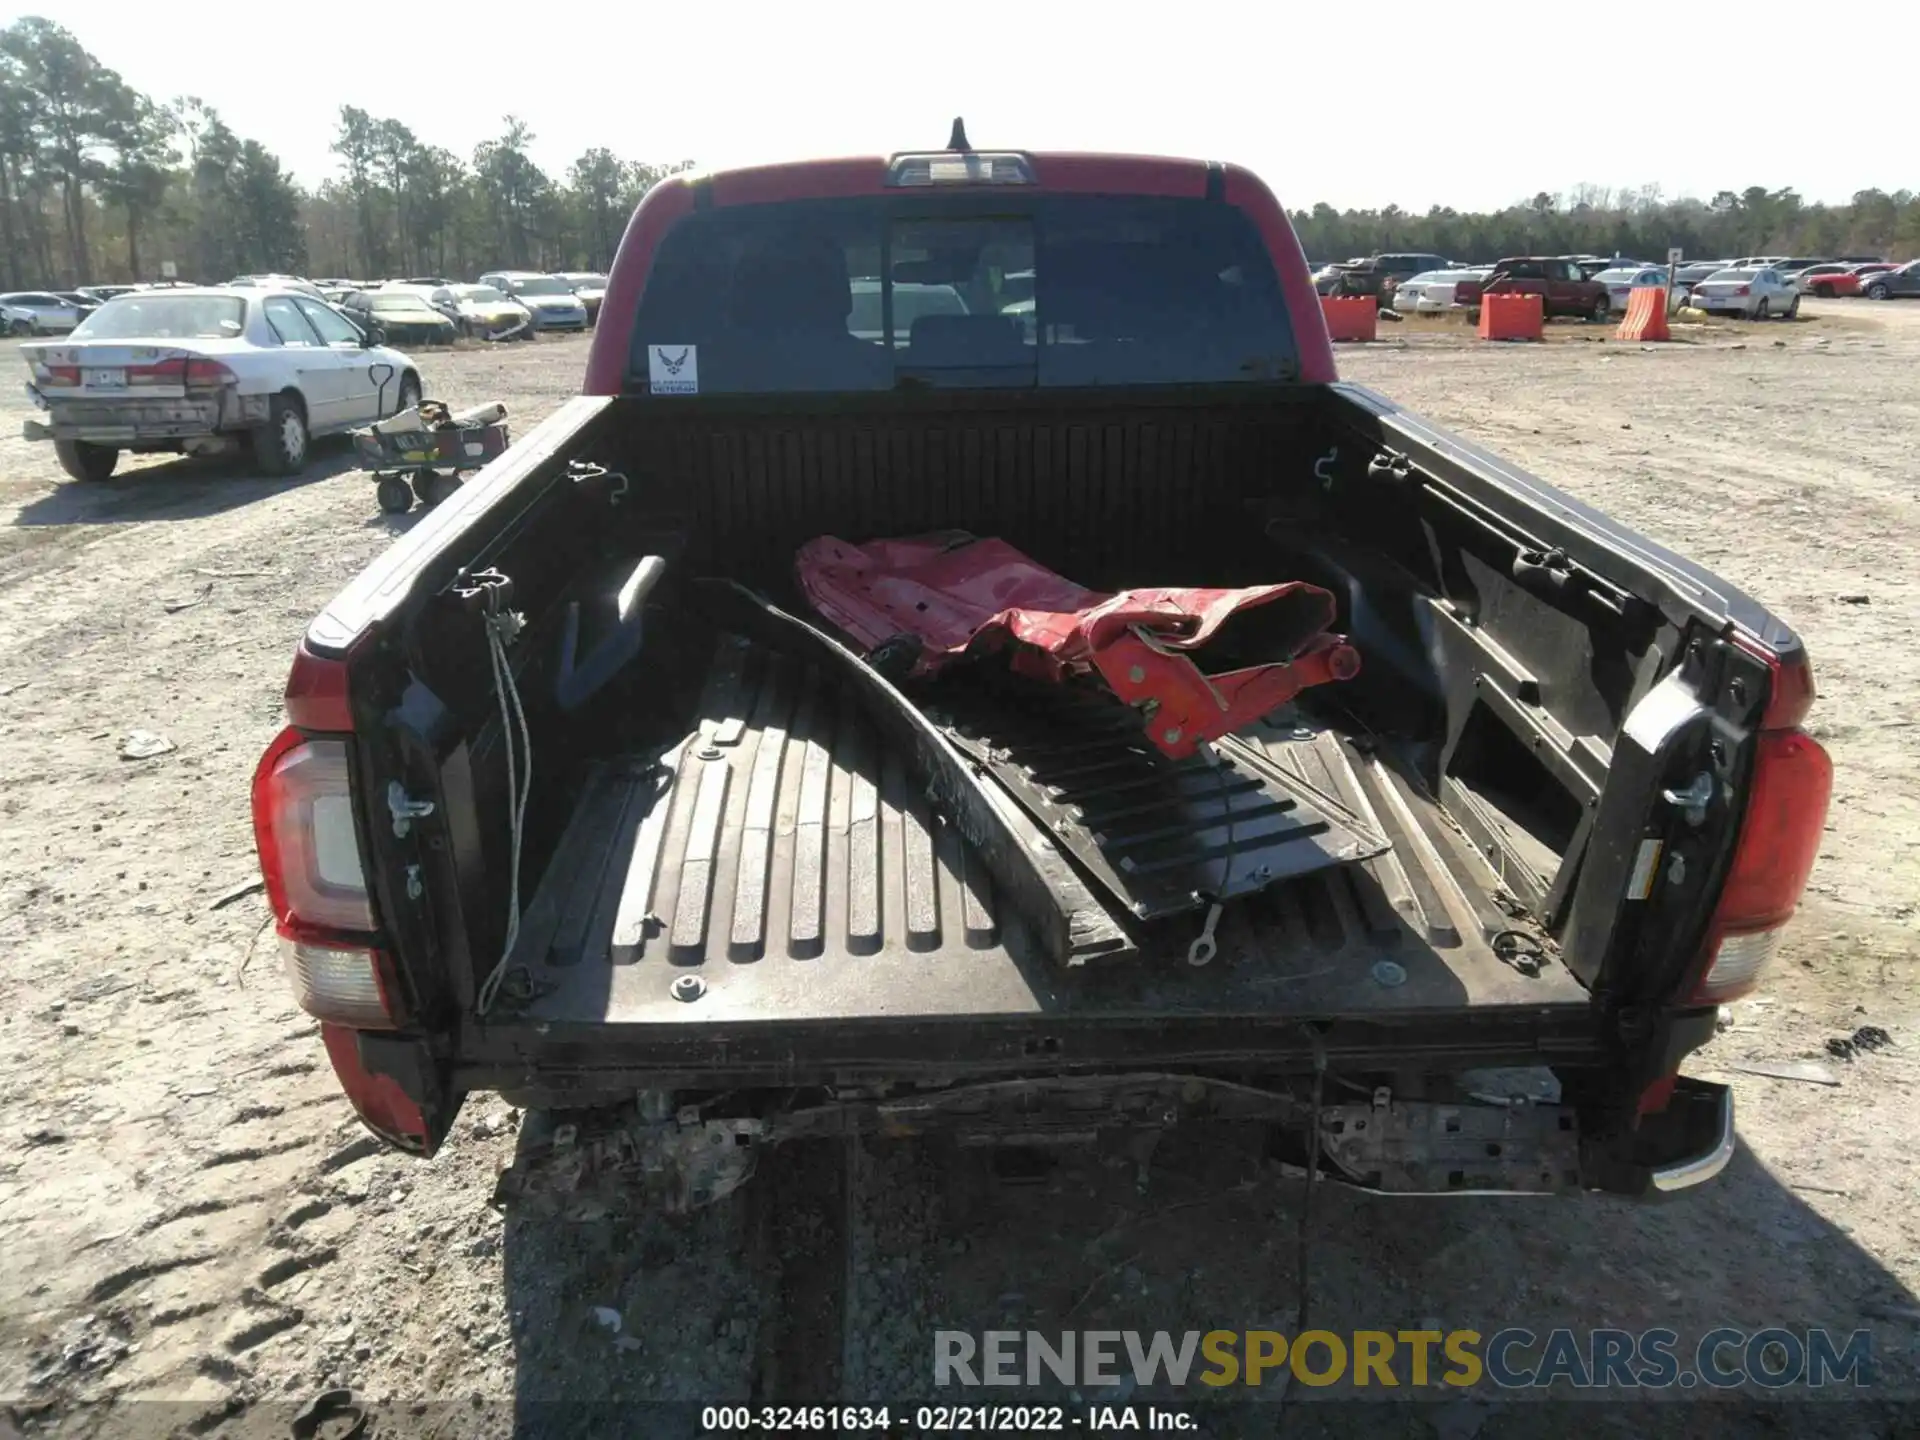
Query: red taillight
{"points": [[1743, 289], [1779, 838], [1780, 834], [208, 374], [56, 376], [184, 372], [309, 845], [303, 825]]}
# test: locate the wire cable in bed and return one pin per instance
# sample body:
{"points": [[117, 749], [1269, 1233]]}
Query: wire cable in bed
{"points": [[501, 627]]}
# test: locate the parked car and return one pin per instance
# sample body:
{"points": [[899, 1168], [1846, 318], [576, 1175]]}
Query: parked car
{"points": [[1900, 283], [590, 286], [79, 300], [1432, 290], [1828, 280], [1380, 275], [1592, 265], [1562, 289], [100, 294], [483, 312], [37, 312], [1863, 268], [1636, 827], [1690, 274], [403, 316], [206, 370], [1622, 281], [548, 297], [279, 282], [1326, 279], [1753, 294]]}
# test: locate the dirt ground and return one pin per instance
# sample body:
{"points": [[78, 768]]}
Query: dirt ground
{"points": [[189, 1215]]}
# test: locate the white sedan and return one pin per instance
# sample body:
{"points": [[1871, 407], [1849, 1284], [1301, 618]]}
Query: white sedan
{"points": [[202, 371], [1623, 280], [1753, 294], [1432, 290], [34, 312]]}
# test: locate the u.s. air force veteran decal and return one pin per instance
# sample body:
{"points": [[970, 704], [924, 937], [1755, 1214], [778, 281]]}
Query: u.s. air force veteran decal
{"points": [[673, 369]]}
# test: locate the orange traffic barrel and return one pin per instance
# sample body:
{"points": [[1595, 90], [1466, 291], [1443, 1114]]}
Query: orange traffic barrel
{"points": [[1646, 314]]}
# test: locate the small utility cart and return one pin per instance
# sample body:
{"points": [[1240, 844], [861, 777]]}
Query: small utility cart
{"points": [[426, 452]]}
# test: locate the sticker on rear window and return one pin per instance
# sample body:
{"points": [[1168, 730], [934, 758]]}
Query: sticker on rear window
{"points": [[673, 369]]}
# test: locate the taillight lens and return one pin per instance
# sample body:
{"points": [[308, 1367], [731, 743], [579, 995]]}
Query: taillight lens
{"points": [[1779, 838], [1743, 290], [303, 824], [1780, 835], [208, 374], [310, 858], [345, 984]]}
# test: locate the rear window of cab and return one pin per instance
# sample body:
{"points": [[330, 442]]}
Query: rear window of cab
{"points": [[971, 291]]}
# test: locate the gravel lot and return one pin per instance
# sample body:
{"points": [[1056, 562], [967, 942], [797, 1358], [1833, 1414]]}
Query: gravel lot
{"points": [[189, 1213]]}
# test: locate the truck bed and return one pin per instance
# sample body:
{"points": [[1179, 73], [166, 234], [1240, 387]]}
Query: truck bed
{"points": [[779, 854]]}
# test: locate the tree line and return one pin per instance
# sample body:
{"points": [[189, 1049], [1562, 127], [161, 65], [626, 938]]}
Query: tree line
{"points": [[1637, 223], [100, 183]]}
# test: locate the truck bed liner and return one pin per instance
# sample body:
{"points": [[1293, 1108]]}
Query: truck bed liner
{"points": [[780, 854]]}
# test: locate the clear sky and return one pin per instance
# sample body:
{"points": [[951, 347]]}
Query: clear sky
{"points": [[1363, 105]]}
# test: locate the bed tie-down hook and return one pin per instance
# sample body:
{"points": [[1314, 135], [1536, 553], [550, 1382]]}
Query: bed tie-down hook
{"points": [[589, 472], [1204, 946]]}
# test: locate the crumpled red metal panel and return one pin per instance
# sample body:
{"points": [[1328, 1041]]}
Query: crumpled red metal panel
{"points": [[957, 595]]}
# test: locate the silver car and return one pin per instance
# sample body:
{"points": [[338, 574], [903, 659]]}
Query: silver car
{"points": [[1622, 280], [35, 312], [1751, 294], [548, 298]]}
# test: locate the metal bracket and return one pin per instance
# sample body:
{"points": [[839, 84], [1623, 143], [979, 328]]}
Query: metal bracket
{"points": [[490, 590], [405, 809], [1408, 1147], [1692, 801], [1389, 465]]}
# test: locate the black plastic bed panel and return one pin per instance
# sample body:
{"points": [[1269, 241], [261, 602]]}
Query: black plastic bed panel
{"points": [[777, 865], [1111, 497]]}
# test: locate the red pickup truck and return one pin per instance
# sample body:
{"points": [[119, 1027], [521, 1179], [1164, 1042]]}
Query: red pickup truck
{"points": [[1563, 287], [581, 802]]}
